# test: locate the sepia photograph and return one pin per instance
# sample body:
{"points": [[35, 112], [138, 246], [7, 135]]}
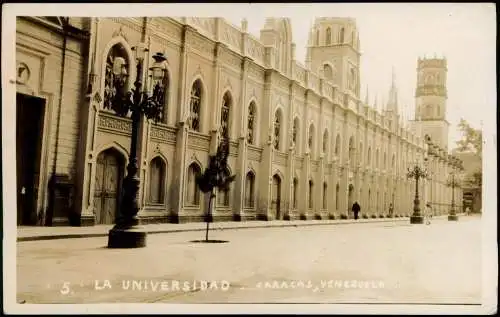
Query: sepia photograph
{"points": [[249, 158]]}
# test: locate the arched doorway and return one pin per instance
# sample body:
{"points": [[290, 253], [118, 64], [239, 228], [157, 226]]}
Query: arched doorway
{"points": [[350, 199], [108, 180], [276, 197]]}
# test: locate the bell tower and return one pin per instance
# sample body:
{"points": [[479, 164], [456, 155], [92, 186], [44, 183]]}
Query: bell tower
{"points": [[430, 99], [333, 49]]}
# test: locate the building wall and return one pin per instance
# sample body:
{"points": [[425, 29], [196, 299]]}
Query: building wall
{"points": [[40, 47], [228, 60]]}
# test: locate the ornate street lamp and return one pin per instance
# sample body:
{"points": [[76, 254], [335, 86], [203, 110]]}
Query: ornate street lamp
{"points": [[126, 233], [453, 182], [417, 172]]}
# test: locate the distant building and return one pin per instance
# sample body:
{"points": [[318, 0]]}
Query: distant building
{"points": [[472, 192], [302, 142]]}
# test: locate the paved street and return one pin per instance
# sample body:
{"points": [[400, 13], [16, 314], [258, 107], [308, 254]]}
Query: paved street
{"points": [[391, 262]]}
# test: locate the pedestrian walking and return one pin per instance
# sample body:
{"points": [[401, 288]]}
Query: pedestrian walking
{"points": [[391, 209], [356, 208]]}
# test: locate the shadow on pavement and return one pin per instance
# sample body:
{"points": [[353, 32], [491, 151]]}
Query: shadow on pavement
{"points": [[209, 241]]}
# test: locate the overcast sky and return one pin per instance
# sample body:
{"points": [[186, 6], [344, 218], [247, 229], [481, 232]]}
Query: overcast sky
{"points": [[391, 35]]}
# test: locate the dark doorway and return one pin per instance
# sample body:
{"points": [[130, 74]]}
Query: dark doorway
{"points": [[108, 180], [276, 197], [29, 133]]}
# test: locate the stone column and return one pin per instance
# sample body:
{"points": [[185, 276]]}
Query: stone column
{"points": [[332, 183], [318, 210], [306, 172], [83, 213], [182, 133], [343, 193], [239, 183], [265, 180], [241, 169], [288, 214]]}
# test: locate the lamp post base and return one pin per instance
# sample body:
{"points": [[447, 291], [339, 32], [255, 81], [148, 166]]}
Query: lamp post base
{"points": [[125, 238], [452, 217], [416, 219]]}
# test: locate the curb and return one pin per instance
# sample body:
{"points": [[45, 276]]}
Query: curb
{"points": [[174, 230]]}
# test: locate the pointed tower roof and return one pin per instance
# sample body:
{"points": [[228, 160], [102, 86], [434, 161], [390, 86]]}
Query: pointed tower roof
{"points": [[392, 103], [367, 97]]}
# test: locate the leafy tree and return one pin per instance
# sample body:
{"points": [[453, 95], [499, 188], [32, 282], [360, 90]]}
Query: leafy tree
{"points": [[472, 141], [215, 177]]}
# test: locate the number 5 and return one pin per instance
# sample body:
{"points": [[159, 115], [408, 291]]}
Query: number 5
{"points": [[65, 288]]}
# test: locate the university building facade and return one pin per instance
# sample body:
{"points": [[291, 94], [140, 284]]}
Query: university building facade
{"points": [[303, 145]]}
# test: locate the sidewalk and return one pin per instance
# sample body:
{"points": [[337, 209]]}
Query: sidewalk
{"points": [[25, 233]]}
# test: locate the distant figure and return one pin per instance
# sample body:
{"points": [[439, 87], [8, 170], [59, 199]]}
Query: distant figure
{"points": [[356, 208], [391, 209], [428, 213], [467, 211]]}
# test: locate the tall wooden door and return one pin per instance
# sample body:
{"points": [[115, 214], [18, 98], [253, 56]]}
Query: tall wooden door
{"points": [[29, 134], [276, 197], [107, 186]]}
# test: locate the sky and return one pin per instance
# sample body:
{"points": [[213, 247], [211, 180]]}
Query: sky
{"points": [[394, 36]]}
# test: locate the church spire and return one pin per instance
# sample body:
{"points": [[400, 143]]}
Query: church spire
{"points": [[392, 103]]}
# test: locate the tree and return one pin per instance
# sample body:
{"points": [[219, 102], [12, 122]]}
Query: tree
{"points": [[472, 141], [215, 177]]}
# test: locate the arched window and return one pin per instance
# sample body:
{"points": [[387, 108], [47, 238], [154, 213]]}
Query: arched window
{"points": [[225, 115], [360, 152], [337, 145], [193, 193], [157, 181], [341, 37], [251, 123], [310, 141], [352, 79], [311, 194], [325, 196], [337, 190], [369, 199], [295, 130], [223, 194], [317, 37], [249, 190], [328, 71], [428, 111], [328, 36], [195, 106], [351, 149], [277, 130], [117, 63], [294, 192], [325, 142]]}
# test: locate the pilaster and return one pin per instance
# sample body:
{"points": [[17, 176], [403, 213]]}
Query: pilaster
{"points": [[179, 172]]}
